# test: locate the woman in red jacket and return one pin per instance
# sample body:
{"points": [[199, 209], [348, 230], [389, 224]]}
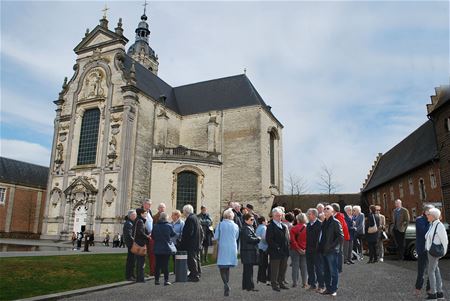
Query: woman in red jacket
{"points": [[298, 250]]}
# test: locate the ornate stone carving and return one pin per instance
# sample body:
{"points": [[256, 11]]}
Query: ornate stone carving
{"points": [[59, 158], [112, 155], [94, 84], [109, 194], [56, 196], [115, 128], [80, 191]]}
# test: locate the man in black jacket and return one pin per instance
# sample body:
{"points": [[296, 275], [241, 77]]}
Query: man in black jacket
{"points": [[313, 259], [190, 242], [277, 238], [128, 239], [331, 238]]}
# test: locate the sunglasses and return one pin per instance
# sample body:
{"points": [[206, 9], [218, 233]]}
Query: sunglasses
{"points": [[327, 208]]}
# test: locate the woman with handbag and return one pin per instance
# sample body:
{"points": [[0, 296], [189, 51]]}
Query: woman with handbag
{"points": [[139, 245], [298, 250], [249, 251], [226, 235], [163, 248], [372, 236], [436, 243]]}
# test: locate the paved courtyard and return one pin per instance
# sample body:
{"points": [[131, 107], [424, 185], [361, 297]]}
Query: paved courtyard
{"points": [[391, 280]]}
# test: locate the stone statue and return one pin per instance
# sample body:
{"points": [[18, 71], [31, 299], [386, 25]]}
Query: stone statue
{"points": [[59, 152], [112, 145]]}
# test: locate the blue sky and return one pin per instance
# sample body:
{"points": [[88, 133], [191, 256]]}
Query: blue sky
{"points": [[347, 79]]}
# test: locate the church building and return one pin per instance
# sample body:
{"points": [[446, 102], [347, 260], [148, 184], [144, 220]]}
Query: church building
{"points": [[122, 134]]}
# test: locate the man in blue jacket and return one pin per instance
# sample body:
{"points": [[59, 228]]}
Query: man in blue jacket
{"points": [[422, 226]]}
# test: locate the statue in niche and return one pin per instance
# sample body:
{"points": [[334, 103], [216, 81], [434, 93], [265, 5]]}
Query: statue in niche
{"points": [[112, 145], [56, 197], [59, 152], [109, 193], [94, 84]]}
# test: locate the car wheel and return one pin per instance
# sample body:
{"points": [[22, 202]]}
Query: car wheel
{"points": [[413, 253]]}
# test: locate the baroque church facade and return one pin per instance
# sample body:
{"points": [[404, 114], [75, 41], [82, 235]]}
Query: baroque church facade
{"points": [[122, 134]]}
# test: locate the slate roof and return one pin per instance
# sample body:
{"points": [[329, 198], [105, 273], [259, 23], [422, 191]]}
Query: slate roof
{"points": [[22, 173], [306, 201], [217, 94], [415, 150]]}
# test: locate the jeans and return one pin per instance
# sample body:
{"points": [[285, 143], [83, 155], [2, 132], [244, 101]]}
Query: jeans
{"points": [[400, 242], [140, 263], [331, 274], [247, 277], [263, 268], [314, 264], [434, 275], [372, 250], [162, 264], [298, 263], [129, 268], [422, 262]]}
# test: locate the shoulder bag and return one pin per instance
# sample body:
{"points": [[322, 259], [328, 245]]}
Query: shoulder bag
{"points": [[137, 249], [374, 228], [436, 250]]}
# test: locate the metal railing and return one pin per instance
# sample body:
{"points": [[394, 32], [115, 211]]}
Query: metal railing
{"points": [[183, 153]]}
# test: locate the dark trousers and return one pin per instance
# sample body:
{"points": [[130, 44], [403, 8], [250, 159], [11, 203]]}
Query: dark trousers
{"points": [[204, 253], [330, 271], [140, 262], [162, 264], [247, 277], [314, 265], [422, 262], [151, 257], [340, 258], [129, 268], [278, 269], [263, 267], [400, 242], [372, 250], [193, 264]]}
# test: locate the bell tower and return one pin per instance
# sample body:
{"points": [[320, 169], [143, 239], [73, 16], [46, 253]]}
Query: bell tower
{"points": [[141, 51]]}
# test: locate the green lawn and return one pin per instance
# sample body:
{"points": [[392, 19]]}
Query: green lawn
{"points": [[23, 277]]}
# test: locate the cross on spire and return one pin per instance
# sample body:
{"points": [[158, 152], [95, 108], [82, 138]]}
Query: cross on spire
{"points": [[145, 6], [104, 11]]}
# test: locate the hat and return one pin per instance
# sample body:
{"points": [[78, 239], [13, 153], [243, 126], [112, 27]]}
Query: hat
{"points": [[249, 206]]}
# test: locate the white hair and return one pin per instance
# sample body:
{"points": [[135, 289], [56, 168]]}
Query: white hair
{"points": [[188, 209], [348, 207], [320, 205], [163, 216], [436, 213], [398, 201], [278, 210], [147, 200], [301, 218], [130, 212], [228, 214], [314, 211], [357, 208], [162, 205]]}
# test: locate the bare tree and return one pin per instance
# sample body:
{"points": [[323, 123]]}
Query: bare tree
{"points": [[296, 185], [327, 182]]}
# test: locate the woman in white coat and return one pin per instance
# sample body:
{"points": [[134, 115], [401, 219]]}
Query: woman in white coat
{"points": [[226, 235], [436, 234]]}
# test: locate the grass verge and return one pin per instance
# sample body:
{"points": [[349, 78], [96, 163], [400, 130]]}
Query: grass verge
{"points": [[24, 277]]}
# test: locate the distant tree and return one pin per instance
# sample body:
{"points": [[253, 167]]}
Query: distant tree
{"points": [[327, 183], [296, 185]]}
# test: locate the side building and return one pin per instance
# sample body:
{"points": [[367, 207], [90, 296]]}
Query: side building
{"points": [[22, 198], [412, 171]]}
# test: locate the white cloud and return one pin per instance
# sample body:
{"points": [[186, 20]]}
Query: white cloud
{"points": [[25, 151]]}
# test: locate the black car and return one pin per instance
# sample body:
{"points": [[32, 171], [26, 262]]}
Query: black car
{"points": [[410, 240]]}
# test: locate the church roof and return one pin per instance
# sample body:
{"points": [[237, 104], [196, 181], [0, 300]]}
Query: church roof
{"points": [[23, 173], [217, 94], [415, 150]]}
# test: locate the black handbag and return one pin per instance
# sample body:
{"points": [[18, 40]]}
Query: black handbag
{"points": [[436, 250]]}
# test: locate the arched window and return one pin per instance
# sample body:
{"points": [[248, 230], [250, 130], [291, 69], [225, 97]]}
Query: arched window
{"points": [[186, 189], [87, 149], [273, 137]]}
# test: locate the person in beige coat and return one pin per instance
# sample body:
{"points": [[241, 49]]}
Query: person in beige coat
{"points": [[400, 218], [381, 229]]}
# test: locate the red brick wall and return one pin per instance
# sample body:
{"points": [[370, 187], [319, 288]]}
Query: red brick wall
{"points": [[443, 142], [409, 201], [24, 210]]}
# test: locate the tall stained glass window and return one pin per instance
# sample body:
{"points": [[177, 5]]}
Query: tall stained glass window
{"points": [[186, 189], [87, 149]]}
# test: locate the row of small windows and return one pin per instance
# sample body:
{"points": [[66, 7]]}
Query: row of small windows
{"points": [[421, 184]]}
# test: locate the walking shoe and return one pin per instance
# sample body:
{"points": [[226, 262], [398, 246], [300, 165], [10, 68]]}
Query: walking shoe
{"points": [[284, 287], [351, 262], [156, 282], [334, 294], [320, 290], [326, 292], [440, 296], [276, 288], [431, 297], [381, 259], [166, 283]]}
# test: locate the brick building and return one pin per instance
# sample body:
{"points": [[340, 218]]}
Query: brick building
{"points": [[22, 198], [413, 170], [123, 134]]}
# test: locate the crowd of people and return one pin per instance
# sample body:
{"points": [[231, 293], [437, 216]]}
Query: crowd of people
{"points": [[318, 242]]}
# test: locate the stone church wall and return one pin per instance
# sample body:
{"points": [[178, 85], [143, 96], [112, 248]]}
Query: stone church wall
{"points": [[193, 133]]}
